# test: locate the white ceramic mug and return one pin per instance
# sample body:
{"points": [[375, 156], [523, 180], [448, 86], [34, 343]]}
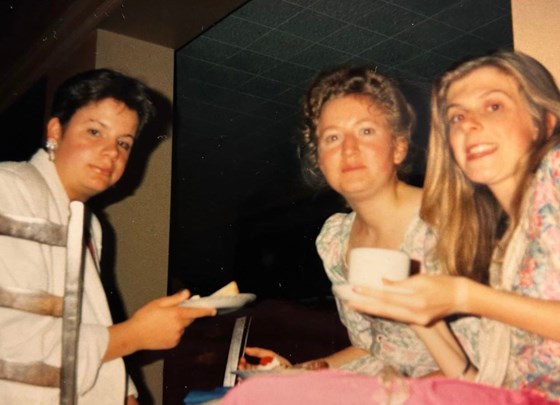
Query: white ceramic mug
{"points": [[369, 266]]}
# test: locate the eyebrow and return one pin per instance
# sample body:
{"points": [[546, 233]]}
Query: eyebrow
{"points": [[106, 126], [359, 122], [98, 122], [482, 95], [133, 137]]}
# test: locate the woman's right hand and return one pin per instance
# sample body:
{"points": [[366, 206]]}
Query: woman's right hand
{"points": [[424, 299], [161, 322], [157, 325], [261, 353]]}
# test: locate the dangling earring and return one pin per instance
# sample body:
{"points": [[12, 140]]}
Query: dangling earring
{"points": [[51, 146]]}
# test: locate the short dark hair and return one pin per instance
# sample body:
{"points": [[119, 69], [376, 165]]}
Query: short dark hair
{"points": [[99, 84], [344, 81]]}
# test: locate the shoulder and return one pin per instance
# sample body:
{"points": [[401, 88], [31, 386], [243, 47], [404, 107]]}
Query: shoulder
{"points": [[20, 174], [20, 185], [546, 181], [334, 226], [417, 227], [550, 164], [416, 233], [12, 171], [332, 239], [419, 243]]}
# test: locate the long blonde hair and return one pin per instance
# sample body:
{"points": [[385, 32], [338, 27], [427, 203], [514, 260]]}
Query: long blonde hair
{"points": [[467, 216]]}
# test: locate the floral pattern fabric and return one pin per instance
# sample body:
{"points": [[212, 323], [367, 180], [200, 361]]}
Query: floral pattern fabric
{"points": [[390, 344], [534, 362]]}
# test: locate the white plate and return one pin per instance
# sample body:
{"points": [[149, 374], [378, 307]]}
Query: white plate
{"points": [[223, 304], [345, 292]]}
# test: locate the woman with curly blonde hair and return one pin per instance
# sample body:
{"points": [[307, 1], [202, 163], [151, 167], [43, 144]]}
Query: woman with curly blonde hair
{"points": [[355, 139]]}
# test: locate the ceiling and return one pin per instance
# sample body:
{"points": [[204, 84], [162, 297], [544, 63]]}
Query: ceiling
{"points": [[35, 36], [238, 91]]}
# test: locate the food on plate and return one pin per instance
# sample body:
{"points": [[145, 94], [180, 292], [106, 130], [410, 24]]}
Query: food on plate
{"points": [[228, 290], [268, 363]]}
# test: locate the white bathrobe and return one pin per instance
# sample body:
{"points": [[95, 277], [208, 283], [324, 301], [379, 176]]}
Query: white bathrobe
{"points": [[34, 190]]}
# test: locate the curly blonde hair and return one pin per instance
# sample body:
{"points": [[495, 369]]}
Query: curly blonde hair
{"points": [[345, 81], [467, 216]]}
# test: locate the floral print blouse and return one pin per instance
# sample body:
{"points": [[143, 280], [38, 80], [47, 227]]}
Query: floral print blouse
{"points": [[534, 362], [390, 344]]}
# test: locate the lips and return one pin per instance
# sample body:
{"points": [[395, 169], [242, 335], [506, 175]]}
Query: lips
{"points": [[104, 171], [351, 168], [480, 150]]}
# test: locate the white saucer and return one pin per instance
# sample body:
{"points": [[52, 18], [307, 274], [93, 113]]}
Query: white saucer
{"points": [[346, 292], [223, 304]]}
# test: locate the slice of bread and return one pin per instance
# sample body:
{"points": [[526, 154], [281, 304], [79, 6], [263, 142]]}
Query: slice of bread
{"points": [[228, 290]]}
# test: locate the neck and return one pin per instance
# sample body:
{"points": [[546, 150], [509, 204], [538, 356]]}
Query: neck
{"points": [[372, 212], [505, 195]]}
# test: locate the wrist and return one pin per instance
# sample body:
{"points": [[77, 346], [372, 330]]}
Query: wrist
{"points": [[462, 293], [318, 364], [124, 339], [135, 335]]}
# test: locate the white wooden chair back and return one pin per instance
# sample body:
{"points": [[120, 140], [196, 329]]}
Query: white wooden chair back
{"points": [[68, 307]]}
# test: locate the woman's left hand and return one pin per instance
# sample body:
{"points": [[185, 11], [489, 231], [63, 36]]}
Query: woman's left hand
{"points": [[318, 364], [428, 298]]}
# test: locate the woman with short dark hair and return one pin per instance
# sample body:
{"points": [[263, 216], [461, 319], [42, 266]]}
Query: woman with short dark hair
{"points": [[96, 119]]}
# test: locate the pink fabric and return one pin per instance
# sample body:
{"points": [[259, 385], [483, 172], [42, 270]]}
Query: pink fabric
{"points": [[336, 387], [452, 391]]}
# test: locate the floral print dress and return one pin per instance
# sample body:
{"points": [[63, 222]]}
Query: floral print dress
{"points": [[390, 344], [531, 267]]}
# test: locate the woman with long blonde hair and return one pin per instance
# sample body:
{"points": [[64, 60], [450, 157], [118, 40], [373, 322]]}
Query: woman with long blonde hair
{"points": [[492, 194]]}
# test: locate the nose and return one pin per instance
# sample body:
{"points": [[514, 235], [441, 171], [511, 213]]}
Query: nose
{"points": [[471, 122], [110, 148], [349, 144]]}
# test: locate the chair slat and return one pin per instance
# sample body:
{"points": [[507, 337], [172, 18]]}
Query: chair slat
{"points": [[35, 302], [73, 294], [35, 373], [69, 307], [38, 230]]}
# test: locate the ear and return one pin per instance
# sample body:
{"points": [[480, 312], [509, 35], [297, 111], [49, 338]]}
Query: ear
{"points": [[54, 130], [401, 149], [550, 122]]}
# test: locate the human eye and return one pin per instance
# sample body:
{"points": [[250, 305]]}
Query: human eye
{"points": [[493, 107], [455, 118], [367, 131], [94, 131], [124, 144], [330, 138]]}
